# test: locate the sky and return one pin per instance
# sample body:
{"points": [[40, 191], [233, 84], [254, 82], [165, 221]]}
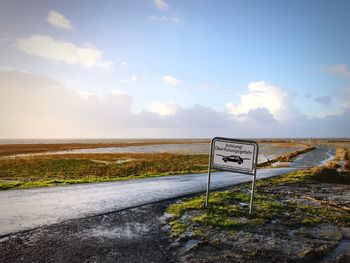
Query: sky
{"points": [[174, 69]]}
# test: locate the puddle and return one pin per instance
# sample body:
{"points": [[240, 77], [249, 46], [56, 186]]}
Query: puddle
{"points": [[128, 231], [123, 161], [329, 156], [343, 249], [317, 157], [190, 244], [281, 164]]}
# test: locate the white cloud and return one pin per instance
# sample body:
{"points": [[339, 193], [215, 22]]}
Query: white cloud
{"points": [[38, 107], [56, 19], [173, 19], [263, 95], [132, 78], [171, 80], [161, 5], [9, 69], [118, 92], [48, 48], [340, 70], [85, 95], [164, 108]]}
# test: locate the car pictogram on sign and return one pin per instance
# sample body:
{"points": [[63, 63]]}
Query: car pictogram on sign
{"points": [[233, 158]]}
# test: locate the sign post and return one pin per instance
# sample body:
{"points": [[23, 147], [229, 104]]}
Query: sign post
{"points": [[240, 156]]}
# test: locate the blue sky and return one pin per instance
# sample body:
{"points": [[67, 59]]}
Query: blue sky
{"points": [[237, 61]]}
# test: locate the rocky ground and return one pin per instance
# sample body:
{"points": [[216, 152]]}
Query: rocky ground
{"points": [[277, 240]]}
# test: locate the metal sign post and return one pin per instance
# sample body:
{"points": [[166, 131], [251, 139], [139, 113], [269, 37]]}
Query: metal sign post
{"points": [[252, 195], [240, 156], [209, 174]]}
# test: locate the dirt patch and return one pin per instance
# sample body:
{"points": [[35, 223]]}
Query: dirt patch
{"points": [[134, 235]]}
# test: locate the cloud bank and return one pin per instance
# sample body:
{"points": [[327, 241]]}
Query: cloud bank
{"points": [[38, 107]]}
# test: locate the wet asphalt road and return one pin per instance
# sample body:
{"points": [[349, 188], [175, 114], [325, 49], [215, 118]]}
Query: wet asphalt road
{"points": [[31, 208]]}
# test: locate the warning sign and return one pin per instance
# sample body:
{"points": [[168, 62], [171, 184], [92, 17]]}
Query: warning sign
{"points": [[234, 155]]}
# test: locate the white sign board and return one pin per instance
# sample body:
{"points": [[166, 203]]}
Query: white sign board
{"points": [[234, 155]]}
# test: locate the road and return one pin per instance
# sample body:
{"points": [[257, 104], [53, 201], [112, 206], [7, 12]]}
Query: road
{"points": [[31, 208]]}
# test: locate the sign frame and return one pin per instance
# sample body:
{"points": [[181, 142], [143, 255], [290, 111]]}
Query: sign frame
{"points": [[223, 168]]}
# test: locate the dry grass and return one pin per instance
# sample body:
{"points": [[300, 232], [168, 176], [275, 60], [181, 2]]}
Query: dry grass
{"points": [[12, 149], [347, 160]]}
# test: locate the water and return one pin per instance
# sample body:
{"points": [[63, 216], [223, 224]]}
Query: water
{"points": [[267, 150], [319, 156]]}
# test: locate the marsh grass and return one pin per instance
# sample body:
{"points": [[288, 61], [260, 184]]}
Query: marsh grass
{"points": [[84, 168]]}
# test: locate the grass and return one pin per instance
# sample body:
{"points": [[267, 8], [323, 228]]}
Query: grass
{"points": [[272, 203], [225, 211], [85, 168]]}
